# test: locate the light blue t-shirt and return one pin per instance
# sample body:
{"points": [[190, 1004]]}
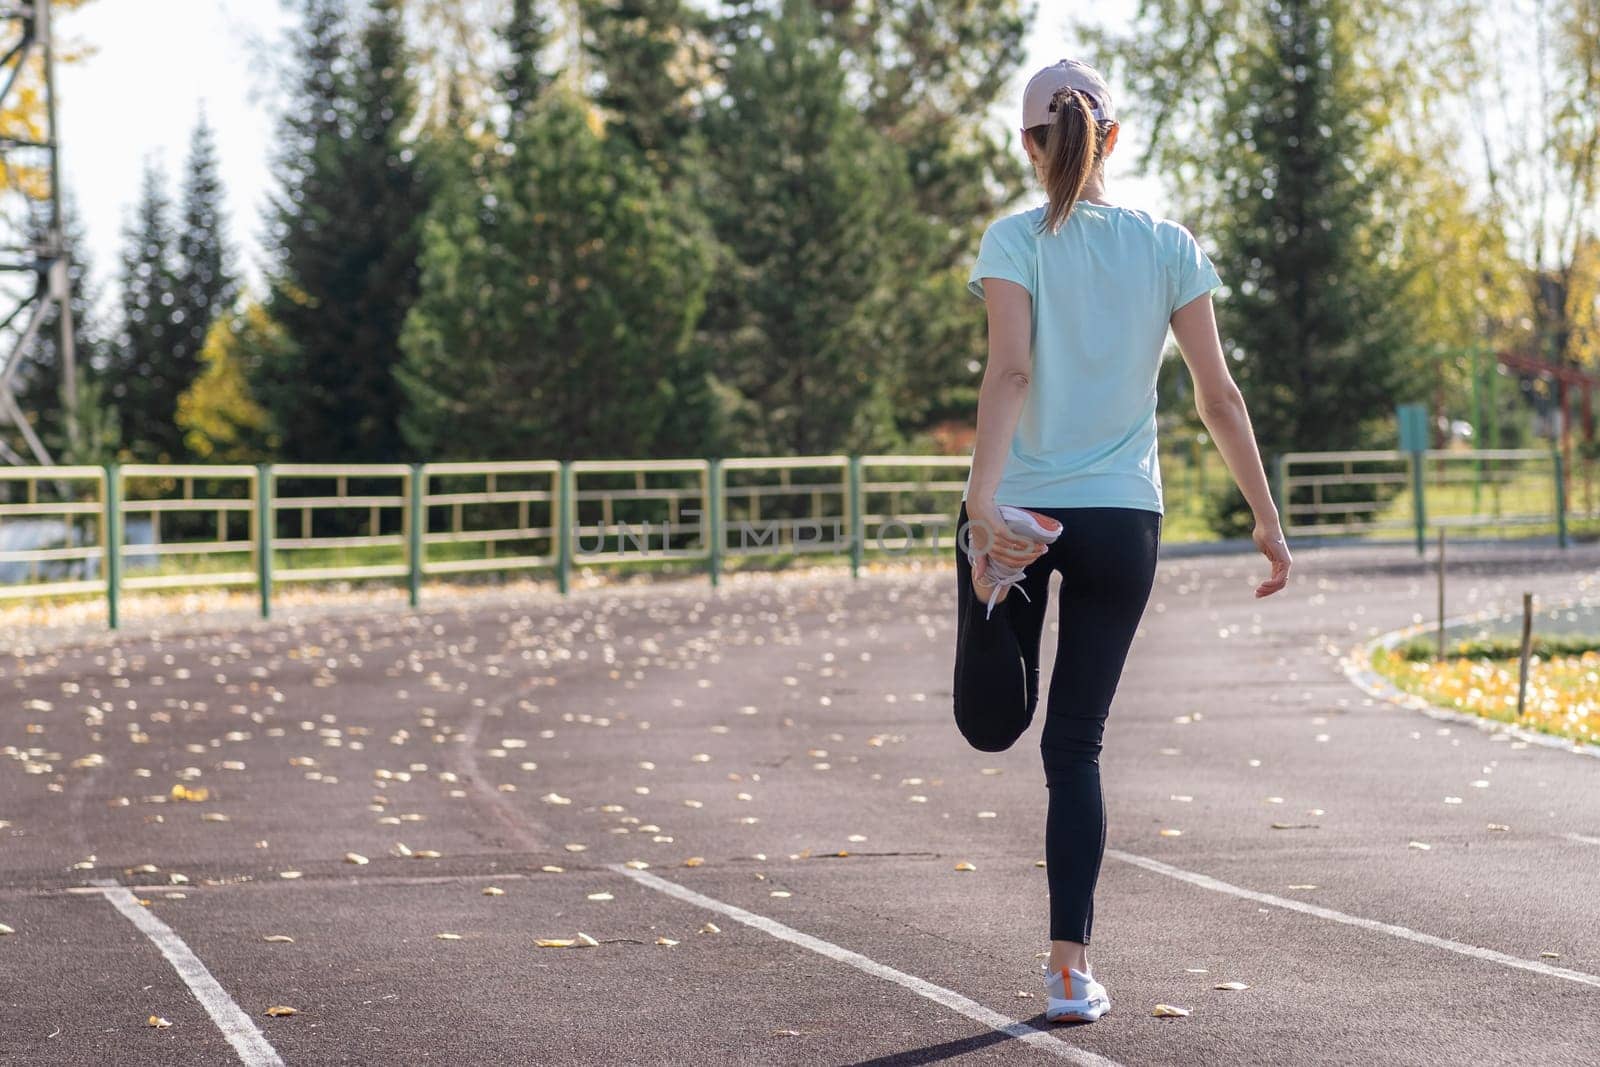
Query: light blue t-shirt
{"points": [[1104, 288]]}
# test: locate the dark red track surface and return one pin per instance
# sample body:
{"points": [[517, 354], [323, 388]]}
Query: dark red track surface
{"points": [[790, 718]]}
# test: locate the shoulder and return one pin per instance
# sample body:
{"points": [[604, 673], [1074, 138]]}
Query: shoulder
{"points": [[1019, 227], [1172, 233]]}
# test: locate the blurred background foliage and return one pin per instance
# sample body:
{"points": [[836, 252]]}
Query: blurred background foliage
{"points": [[648, 228]]}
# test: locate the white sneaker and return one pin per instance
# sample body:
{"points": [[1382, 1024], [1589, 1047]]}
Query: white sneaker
{"points": [[1023, 523], [1085, 1002]]}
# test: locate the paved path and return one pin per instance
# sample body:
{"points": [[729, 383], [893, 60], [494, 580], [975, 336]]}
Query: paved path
{"points": [[794, 735]]}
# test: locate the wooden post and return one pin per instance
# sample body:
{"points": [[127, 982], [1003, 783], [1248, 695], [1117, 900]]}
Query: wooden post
{"points": [[1527, 645]]}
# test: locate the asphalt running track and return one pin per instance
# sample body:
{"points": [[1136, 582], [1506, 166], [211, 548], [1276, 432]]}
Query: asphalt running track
{"points": [[766, 729]]}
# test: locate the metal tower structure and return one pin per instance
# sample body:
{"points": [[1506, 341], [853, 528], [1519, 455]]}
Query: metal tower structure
{"points": [[26, 25]]}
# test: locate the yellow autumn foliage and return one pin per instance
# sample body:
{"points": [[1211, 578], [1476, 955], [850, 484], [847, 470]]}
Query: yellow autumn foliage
{"points": [[23, 111], [220, 419], [1563, 695]]}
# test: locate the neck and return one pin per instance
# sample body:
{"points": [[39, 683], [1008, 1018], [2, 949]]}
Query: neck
{"points": [[1094, 188]]}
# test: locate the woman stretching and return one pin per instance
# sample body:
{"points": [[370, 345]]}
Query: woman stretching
{"points": [[1080, 293]]}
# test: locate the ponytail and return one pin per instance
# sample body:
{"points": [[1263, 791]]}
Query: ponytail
{"points": [[1072, 145]]}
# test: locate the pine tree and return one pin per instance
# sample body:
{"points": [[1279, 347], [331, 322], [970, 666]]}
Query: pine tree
{"points": [[206, 286], [346, 225], [148, 366], [811, 207], [926, 76], [523, 79], [1311, 310], [652, 57], [551, 301], [1311, 298]]}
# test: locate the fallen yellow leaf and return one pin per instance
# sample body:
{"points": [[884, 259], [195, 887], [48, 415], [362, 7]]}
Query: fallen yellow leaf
{"points": [[493, 891], [1167, 1011], [1230, 985], [281, 1009], [555, 942], [665, 941], [159, 1023], [694, 861], [448, 937], [965, 866], [602, 895], [183, 792], [278, 939], [355, 857]]}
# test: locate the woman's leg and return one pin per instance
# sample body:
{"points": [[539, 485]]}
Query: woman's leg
{"points": [[996, 683], [1107, 562]]}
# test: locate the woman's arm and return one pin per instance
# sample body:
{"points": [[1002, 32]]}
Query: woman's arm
{"points": [[1006, 378], [1221, 406]]}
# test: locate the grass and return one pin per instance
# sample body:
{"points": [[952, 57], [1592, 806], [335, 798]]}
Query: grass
{"points": [[1511, 495], [1504, 647], [1480, 678]]}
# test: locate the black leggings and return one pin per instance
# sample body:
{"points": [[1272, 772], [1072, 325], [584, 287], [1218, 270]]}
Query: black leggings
{"points": [[1107, 560]]}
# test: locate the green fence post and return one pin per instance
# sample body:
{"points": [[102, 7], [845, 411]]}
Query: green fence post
{"points": [[714, 521], [264, 537], [417, 524], [1561, 500], [1280, 475], [1477, 428], [858, 525], [1412, 420], [564, 512], [113, 544], [1419, 506]]}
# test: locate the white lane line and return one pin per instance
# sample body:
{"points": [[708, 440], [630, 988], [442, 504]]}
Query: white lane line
{"points": [[1207, 882], [247, 1040], [1585, 839], [1039, 1039]]}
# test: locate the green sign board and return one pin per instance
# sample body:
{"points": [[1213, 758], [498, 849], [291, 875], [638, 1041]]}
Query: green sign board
{"points": [[1413, 427]]}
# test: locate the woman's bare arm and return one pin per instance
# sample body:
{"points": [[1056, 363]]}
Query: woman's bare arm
{"points": [[1222, 409]]}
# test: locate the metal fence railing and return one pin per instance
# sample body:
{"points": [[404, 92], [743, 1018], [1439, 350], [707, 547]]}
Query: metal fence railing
{"points": [[73, 531], [51, 538], [1497, 491]]}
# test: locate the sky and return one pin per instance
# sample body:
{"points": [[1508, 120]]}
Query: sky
{"points": [[139, 93]]}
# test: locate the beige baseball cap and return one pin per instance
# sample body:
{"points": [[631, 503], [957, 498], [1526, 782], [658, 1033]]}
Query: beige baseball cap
{"points": [[1066, 74]]}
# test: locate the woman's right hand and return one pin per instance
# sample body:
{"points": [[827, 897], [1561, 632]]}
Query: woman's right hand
{"points": [[993, 538], [1270, 540]]}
